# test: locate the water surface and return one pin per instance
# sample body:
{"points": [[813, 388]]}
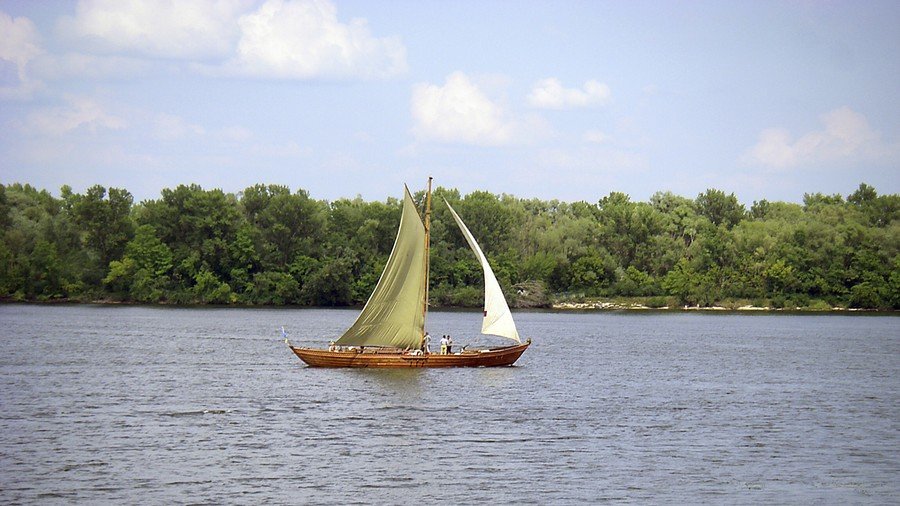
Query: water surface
{"points": [[162, 405]]}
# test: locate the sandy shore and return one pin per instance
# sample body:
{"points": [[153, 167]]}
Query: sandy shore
{"points": [[619, 306]]}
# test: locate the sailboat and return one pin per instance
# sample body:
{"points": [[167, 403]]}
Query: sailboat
{"points": [[390, 329]]}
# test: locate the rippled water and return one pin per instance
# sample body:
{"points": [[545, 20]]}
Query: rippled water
{"points": [[162, 405]]}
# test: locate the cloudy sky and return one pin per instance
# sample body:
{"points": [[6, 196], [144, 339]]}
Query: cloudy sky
{"points": [[564, 100]]}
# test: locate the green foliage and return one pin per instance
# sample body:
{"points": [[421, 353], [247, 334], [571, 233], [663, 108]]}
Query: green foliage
{"points": [[268, 245], [720, 209], [44, 271], [274, 288], [149, 252], [635, 283], [286, 224], [539, 267], [593, 273], [867, 295], [893, 285], [657, 302], [211, 290], [103, 220], [682, 282]]}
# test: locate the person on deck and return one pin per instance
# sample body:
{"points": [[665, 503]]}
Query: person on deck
{"points": [[443, 345], [426, 342], [449, 345]]}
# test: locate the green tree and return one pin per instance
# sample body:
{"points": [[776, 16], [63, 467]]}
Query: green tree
{"points": [[45, 272], [271, 246], [275, 288], [867, 296], [720, 209], [682, 282], [201, 228], [330, 284], [539, 267], [863, 195], [143, 272], [893, 294], [593, 273], [209, 289], [288, 224], [490, 219], [104, 220], [879, 210], [680, 218], [690, 286], [5, 220], [634, 282], [149, 252]]}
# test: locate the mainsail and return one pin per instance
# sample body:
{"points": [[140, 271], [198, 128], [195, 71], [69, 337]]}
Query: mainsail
{"points": [[394, 315], [498, 320]]}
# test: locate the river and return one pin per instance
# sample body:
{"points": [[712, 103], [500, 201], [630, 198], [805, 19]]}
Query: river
{"points": [[156, 405]]}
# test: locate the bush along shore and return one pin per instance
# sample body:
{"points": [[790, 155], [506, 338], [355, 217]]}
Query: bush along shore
{"points": [[268, 245]]}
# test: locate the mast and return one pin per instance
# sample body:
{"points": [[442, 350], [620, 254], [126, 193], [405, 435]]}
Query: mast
{"points": [[427, 248]]}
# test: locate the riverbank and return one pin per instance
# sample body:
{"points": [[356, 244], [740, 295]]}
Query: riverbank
{"points": [[654, 304], [635, 304]]}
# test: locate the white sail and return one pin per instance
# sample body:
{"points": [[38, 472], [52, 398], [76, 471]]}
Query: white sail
{"points": [[498, 319]]}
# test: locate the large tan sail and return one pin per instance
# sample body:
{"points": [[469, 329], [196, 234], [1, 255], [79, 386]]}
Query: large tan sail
{"points": [[394, 314], [498, 319]]}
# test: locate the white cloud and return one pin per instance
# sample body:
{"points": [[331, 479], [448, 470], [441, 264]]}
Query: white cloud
{"points": [[846, 136], [550, 94], [78, 113], [80, 65], [364, 137], [19, 44], [169, 127], [178, 29], [305, 40], [275, 39], [460, 112], [20, 41], [596, 137], [235, 134]]}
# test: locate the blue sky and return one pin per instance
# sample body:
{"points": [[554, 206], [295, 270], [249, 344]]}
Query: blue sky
{"points": [[554, 100]]}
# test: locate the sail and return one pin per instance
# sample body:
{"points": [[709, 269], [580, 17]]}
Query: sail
{"points": [[498, 320], [395, 313]]}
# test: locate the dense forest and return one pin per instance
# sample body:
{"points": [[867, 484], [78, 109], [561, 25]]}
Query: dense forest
{"points": [[268, 245]]}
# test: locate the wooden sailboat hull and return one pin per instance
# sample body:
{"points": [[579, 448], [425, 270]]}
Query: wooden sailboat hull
{"points": [[380, 358]]}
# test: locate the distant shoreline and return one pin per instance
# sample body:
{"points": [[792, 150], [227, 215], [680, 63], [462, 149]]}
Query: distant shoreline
{"points": [[615, 306], [589, 306]]}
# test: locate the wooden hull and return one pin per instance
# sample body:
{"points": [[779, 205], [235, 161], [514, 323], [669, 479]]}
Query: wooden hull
{"points": [[494, 357]]}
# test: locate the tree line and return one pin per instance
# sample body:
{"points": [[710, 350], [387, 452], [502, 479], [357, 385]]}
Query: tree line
{"points": [[268, 245]]}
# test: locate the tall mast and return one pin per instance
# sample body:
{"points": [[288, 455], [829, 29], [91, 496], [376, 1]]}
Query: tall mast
{"points": [[427, 247]]}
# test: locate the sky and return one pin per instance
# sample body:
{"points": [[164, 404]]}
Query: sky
{"points": [[537, 99]]}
